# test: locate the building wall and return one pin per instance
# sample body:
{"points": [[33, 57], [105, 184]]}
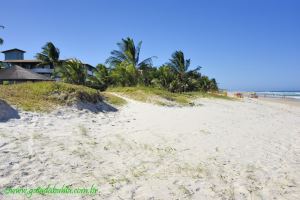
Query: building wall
{"points": [[14, 55], [42, 69]]}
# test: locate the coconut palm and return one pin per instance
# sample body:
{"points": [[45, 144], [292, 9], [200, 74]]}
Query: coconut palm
{"points": [[164, 77], [146, 75], [128, 53], [213, 85], [1, 40], [124, 74], [180, 65], [72, 71], [205, 83], [49, 55], [100, 78]]}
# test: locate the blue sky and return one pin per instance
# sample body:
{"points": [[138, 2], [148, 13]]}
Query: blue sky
{"points": [[244, 44]]}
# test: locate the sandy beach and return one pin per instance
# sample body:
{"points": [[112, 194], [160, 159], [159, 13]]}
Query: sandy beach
{"points": [[217, 149], [287, 101]]}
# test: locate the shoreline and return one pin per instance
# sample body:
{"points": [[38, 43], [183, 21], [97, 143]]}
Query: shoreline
{"points": [[282, 100]]}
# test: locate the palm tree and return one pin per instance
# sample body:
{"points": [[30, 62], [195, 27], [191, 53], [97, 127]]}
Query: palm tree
{"points": [[1, 40], [205, 83], [100, 78], [164, 77], [49, 55], [129, 53], [213, 85], [124, 74], [180, 65], [146, 75], [72, 71]]}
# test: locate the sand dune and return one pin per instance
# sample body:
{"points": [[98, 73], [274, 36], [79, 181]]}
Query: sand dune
{"points": [[248, 149]]}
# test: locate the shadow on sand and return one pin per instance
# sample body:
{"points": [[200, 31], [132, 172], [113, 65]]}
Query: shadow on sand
{"points": [[7, 112], [96, 108]]}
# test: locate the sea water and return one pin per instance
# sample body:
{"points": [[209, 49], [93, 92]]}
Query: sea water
{"points": [[280, 94]]}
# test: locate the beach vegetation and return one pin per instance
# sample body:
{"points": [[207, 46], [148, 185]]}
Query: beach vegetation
{"points": [[126, 69], [45, 96], [72, 71], [173, 83], [164, 97], [175, 76], [128, 53], [100, 79], [113, 99], [49, 56]]}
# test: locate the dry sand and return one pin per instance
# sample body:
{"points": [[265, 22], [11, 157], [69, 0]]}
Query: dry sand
{"points": [[218, 149], [288, 101]]}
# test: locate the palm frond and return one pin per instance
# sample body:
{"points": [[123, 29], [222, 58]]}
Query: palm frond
{"points": [[128, 53], [146, 62], [49, 55], [138, 50], [178, 62], [1, 40], [73, 71]]}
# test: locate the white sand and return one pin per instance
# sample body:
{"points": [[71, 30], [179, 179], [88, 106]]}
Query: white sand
{"points": [[247, 149]]}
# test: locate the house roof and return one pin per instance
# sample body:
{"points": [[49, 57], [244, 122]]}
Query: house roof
{"points": [[18, 73], [15, 49], [90, 67], [21, 61]]}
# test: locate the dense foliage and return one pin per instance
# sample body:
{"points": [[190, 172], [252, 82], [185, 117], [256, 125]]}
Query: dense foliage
{"points": [[72, 71], [125, 69]]}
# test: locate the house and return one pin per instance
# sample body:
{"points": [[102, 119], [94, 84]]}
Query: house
{"points": [[19, 74], [16, 57]]}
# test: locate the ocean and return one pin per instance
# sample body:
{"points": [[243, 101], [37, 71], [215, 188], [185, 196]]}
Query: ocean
{"points": [[280, 94]]}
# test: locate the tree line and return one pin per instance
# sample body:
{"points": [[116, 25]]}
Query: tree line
{"points": [[124, 68]]}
